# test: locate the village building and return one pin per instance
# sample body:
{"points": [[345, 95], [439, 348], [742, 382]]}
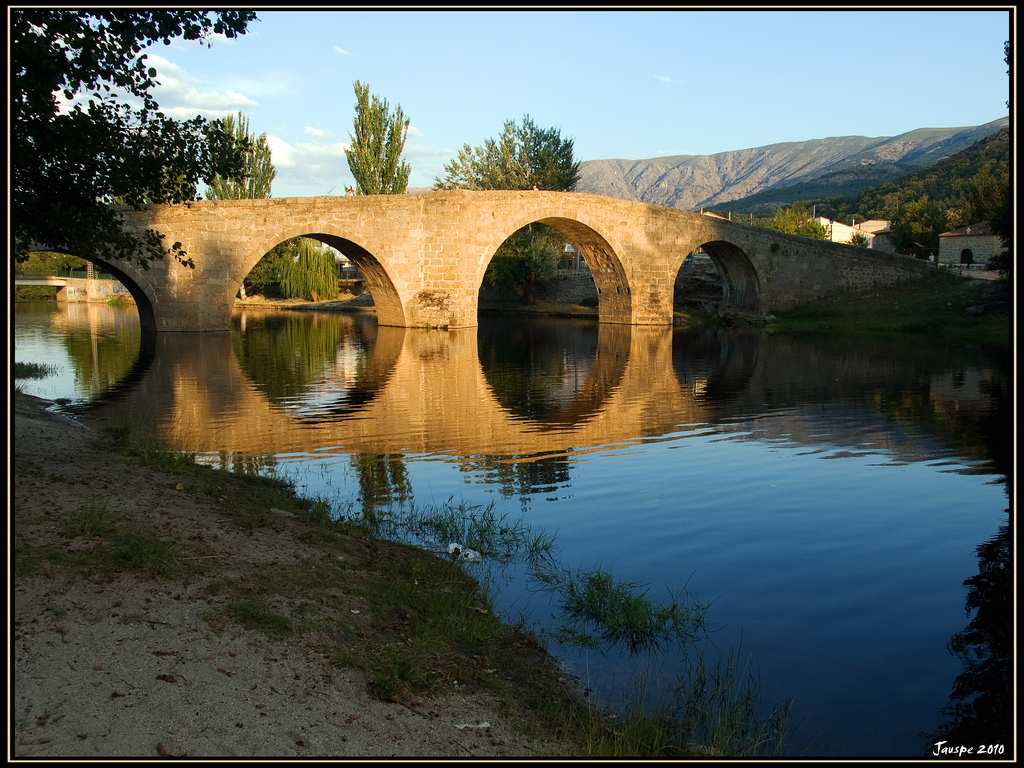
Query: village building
{"points": [[883, 240], [971, 246], [869, 230]]}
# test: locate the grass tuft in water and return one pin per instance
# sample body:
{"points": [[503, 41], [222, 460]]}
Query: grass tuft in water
{"points": [[708, 712], [34, 370], [597, 610], [479, 529]]}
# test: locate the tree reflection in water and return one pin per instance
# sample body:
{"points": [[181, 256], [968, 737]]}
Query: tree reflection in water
{"points": [[980, 707]]}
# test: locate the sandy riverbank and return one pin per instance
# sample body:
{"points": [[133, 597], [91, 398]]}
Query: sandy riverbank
{"points": [[122, 663]]}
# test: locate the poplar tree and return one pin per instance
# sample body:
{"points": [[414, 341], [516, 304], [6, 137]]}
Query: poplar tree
{"points": [[253, 183], [375, 158]]}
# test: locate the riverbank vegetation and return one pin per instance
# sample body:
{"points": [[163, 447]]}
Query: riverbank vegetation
{"points": [[942, 304]]}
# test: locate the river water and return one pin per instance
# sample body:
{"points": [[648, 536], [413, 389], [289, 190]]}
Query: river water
{"points": [[828, 497]]}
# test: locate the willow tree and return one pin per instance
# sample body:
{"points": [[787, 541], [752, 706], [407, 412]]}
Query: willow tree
{"points": [[257, 173], [312, 274], [375, 158]]}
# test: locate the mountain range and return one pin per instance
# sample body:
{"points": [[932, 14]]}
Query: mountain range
{"points": [[777, 174]]}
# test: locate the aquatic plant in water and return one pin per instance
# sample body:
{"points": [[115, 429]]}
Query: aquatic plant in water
{"points": [[597, 609], [34, 370]]}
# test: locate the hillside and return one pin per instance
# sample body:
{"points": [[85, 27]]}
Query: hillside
{"points": [[842, 165]]}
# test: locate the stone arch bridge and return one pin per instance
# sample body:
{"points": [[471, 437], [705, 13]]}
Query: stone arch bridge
{"points": [[423, 257]]}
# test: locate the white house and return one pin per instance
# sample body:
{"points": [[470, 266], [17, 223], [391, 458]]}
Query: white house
{"points": [[844, 233]]}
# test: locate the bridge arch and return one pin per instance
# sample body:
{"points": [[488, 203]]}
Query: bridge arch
{"points": [[741, 285], [143, 300], [378, 280], [613, 288]]}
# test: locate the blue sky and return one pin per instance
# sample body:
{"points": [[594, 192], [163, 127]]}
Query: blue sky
{"points": [[621, 84]]}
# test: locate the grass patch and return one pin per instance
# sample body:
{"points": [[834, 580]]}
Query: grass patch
{"points": [[150, 451], [140, 551], [253, 613], [120, 301], [936, 305], [91, 522], [464, 531]]}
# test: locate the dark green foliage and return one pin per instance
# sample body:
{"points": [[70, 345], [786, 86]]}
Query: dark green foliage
{"points": [[797, 220], [49, 263], [523, 157], [296, 269], [314, 275], [265, 277], [69, 163], [530, 254]]}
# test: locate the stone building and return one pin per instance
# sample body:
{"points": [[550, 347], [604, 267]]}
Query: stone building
{"points": [[970, 246]]}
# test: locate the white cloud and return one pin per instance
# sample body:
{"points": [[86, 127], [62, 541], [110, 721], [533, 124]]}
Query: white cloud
{"points": [[662, 79], [342, 51], [317, 133], [179, 97], [308, 169]]}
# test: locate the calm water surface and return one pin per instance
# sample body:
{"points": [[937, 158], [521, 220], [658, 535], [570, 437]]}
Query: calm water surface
{"points": [[829, 496]]}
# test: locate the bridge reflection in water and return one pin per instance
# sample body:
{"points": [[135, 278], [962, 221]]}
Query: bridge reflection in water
{"points": [[386, 390]]}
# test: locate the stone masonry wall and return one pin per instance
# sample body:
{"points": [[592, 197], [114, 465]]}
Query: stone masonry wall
{"points": [[423, 257]]}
